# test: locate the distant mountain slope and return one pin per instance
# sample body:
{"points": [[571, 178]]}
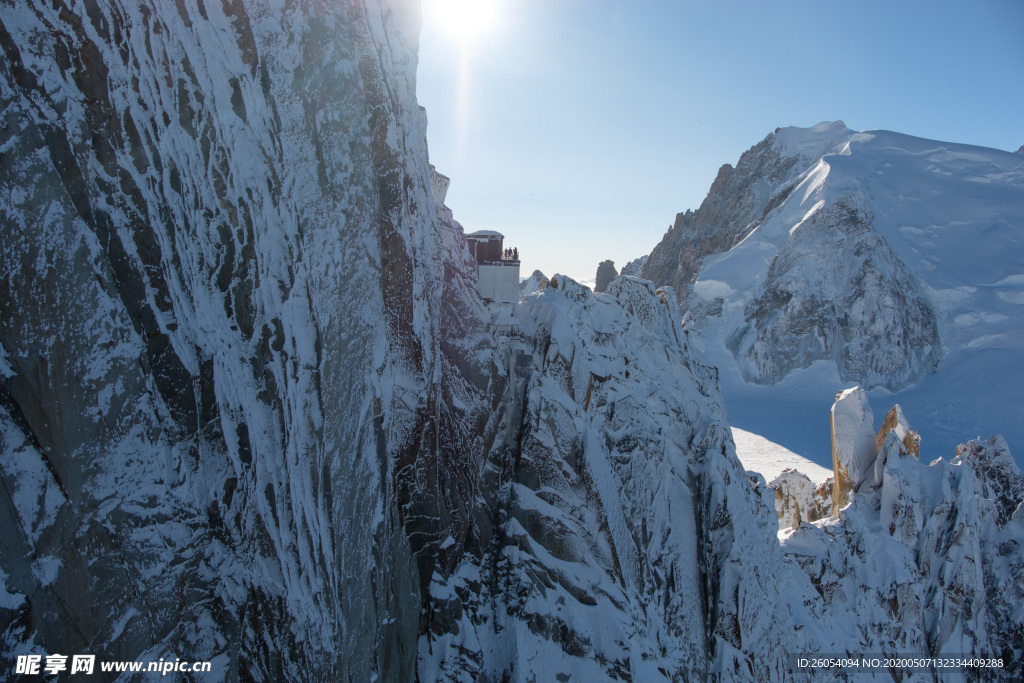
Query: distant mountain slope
{"points": [[886, 256]]}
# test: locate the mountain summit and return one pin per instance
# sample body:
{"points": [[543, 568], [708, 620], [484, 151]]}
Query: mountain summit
{"points": [[891, 259]]}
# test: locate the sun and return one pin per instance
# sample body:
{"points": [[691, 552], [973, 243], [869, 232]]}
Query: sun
{"points": [[465, 19]]}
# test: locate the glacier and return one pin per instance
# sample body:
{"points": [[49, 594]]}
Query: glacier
{"points": [[253, 411]]}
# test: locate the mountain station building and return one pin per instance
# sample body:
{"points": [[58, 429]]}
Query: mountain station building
{"points": [[498, 268]]}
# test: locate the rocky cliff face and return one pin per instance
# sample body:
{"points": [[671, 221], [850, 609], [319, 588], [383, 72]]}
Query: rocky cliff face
{"points": [[222, 293], [621, 538], [835, 290], [232, 427], [923, 547], [739, 198], [936, 551], [634, 267], [736, 199]]}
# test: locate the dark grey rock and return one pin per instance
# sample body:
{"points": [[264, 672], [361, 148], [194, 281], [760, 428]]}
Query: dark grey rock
{"points": [[605, 274]]}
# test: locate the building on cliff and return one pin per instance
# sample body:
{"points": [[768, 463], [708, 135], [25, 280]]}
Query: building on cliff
{"points": [[497, 268]]}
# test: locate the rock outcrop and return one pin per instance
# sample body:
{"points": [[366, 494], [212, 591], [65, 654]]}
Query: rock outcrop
{"points": [[739, 197], [927, 546], [835, 290], [853, 444], [908, 442], [634, 267], [605, 274], [534, 283], [798, 499], [622, 540], [935, 551]]}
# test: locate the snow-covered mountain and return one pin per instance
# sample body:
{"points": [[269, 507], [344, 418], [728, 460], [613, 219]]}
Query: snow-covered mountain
{"points": [[254, 412], [624, 540], [532, 283], [830, 257], [222, 291]]}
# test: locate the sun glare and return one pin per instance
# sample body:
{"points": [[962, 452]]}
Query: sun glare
{"points": [[466, 19]]}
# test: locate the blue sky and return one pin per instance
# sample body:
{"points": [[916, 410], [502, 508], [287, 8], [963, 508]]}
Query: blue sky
{"points": [[579, 128]]}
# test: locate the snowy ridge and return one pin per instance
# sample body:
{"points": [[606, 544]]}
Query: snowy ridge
{"points": [[925, 558], [932, 557], [617, 518], [533, 283]]}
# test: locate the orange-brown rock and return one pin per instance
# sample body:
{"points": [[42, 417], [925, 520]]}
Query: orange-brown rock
{"points": [[895, 421], [853, 444]]}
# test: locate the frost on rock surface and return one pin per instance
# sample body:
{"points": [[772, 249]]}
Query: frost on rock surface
{"points": [[634, 267], [221, 300], [835, 290], [619, 536], [534, 283], [797, 499], [853, 444], [926, 558]]}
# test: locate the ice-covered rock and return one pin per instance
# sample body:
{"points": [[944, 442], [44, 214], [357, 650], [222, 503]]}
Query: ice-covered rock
{"points": [[535, 282], [835, 290], [634, 267], [935, 552], [925, 551], [793, 495], [797, 499], [224, 387], [622, 539], [1001, 480], [908, 441], [853, 444], [737, 199]]}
